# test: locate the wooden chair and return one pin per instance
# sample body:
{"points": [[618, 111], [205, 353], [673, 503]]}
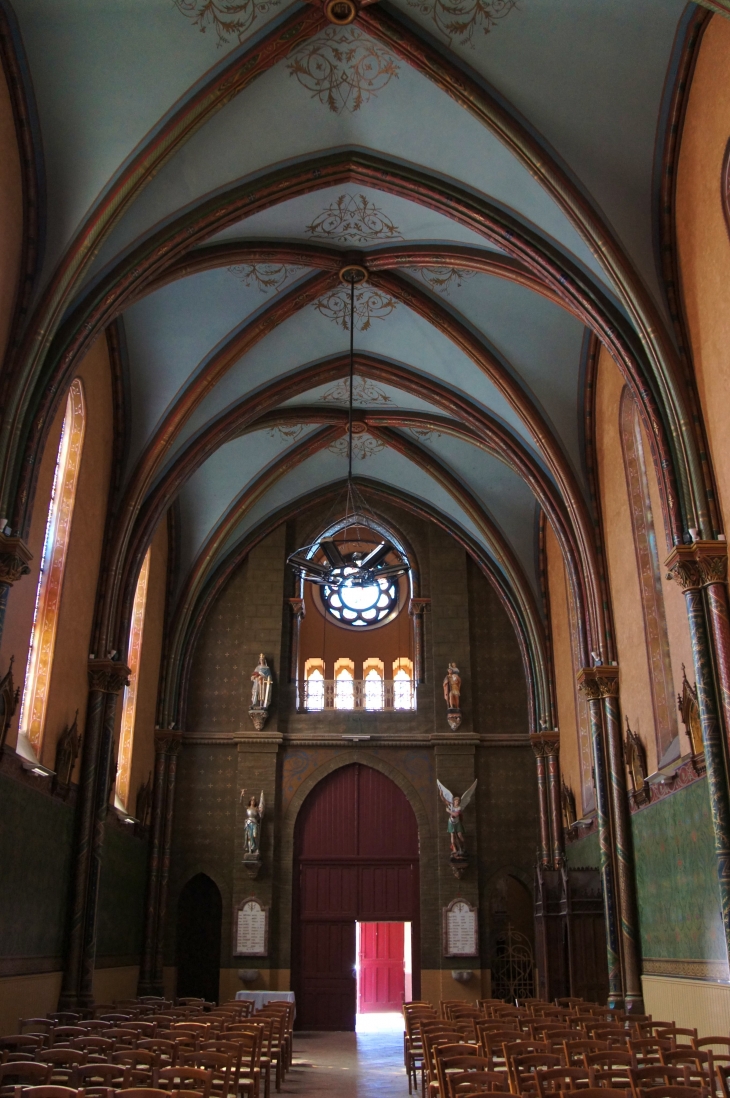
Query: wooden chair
{"points": [[466, 1084], [555, 1080], [95, 1027], [48, 1092], [64, 1062], [674, 1092], [524, 1067], [431, 1042], [672, 1032], [138, 1059], [19, 1073], [97, 1049], [456, 1058], [221, 1066], [722, 1071], [143, 1092], [700, 1063], [25, 1042], [651, 1076], [37, 1025], [63, 1035], [182, 1077]]}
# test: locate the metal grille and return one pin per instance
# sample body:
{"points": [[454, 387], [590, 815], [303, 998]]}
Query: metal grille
{"points": [[513, 966]]}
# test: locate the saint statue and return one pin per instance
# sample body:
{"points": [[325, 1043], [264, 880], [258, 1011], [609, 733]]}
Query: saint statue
{"points": [[452, 687], [262, 680], [454, 809], [252, 826]]}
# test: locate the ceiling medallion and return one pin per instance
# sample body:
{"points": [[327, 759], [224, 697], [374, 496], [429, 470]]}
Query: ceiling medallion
{"points": [[228, 18], [343, 68], [442, 279], [353, 219], [370, 304], [340, 12], [267, 276], [460, 19], [365, 393]]}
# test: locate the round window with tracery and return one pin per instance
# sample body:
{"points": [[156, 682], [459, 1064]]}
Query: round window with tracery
{"points": [[358, 603]]}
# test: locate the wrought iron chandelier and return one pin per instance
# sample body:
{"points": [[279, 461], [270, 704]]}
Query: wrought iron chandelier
{"points": [[354, 569]]}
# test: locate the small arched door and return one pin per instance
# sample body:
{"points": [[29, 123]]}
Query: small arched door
{"points": [[355, 859], [199, 920]]}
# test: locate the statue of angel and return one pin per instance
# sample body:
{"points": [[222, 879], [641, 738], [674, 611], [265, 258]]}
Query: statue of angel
{"points": [[252, 826], [454, 808]]}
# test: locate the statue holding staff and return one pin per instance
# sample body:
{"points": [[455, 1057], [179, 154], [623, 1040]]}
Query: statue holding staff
{"points": [[252, 826]]}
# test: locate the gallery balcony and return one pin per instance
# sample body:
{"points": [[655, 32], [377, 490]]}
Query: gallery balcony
{"points": [[316, 695]]}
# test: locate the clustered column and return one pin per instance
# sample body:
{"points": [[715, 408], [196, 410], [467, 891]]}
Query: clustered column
{"points": [[546, 746], [14, 558], [106, 679], [700, 569], [167, 748], [600, 688]]}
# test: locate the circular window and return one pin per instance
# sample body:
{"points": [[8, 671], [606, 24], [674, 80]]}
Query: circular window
{"points": [[360, 600]]}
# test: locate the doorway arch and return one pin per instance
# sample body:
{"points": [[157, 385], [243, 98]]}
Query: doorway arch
{"points": [[199, 920], [355, 859]]}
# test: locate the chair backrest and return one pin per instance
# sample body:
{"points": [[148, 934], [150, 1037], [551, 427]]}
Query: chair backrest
{"points": [[35, 1025], [553, 1080], [95, 1026], [612, 1058], [24, 1041], [50, 1091], [30, 1073], [137, 1057], [62, 1056], [104, 1075], [182, 1075], [465, 1083], [523, 1067], [673, 1092]]}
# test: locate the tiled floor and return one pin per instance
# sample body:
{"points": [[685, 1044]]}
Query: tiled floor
{"points": [[352, 1065]]}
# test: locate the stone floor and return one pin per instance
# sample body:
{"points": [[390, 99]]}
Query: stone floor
{"points": [[353, 1065]]}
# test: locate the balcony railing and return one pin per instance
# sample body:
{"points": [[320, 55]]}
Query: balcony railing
{"points": [[316, 695]]}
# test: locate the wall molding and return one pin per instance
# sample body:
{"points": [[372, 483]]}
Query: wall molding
{"points": [[686, 968]]}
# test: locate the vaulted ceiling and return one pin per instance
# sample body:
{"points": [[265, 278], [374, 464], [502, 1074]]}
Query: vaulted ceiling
{"points": [[211, 164]]}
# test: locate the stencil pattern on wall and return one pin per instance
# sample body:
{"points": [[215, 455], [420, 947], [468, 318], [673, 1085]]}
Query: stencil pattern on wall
{"points": [[462, 19], [343, 68], [442, 279], [228, 18], [370, 304], [363, 446], [266, 276], [365, 393], [353, 219]]}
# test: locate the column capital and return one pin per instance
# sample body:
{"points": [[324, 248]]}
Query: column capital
{"points": [[14, 558], [598, 682], [109, 676], [698, 564], [167, 741], [545, 743], [297, 607], [419, 606]]}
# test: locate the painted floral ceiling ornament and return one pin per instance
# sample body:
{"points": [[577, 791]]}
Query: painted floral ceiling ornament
{"points": [[462, 19], [289, 432], [424, 434], [353, 219], [365, 393], [442, 279], [363, 446], [267, 276], [343, 68], [370, 304], [228, 18]]}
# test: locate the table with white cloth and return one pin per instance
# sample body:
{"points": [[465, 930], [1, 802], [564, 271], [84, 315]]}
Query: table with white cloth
{"points": [[260, 998]]}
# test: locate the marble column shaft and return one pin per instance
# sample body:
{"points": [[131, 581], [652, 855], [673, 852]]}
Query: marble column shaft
{"points": [[149, 947], [14, 563]]}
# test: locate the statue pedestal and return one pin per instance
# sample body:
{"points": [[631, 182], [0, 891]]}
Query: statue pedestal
{"points": [[258, 717], [252, 864], [459, 864], [453, 716]]}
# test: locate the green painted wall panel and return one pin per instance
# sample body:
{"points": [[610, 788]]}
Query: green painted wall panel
{"points": [[583, 853], [676, 875], [121, 895], [36, 833]]}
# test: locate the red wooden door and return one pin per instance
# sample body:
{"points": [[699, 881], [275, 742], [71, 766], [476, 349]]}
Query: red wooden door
{"points": [[356, 858], [382, 968]]}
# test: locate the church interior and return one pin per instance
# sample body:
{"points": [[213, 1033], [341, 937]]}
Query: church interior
{"points": [[364, 620]]}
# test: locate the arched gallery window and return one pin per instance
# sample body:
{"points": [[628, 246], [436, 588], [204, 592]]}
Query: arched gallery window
{"points": [[403, 697], [52, 567], [650, 583], [344, 684], [129, 706], [314, 685], [373, 674]]}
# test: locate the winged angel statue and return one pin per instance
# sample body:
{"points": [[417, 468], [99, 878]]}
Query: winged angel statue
{"points": [[454, 808], [252, 826]]}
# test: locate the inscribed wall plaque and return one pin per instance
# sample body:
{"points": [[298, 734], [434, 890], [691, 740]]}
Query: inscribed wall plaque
{"points": [[252, 929], [460, 929]]}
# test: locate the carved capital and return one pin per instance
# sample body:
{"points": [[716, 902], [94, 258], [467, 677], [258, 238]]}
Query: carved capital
{"points": [[545, 743], [14, 558], [109, 676], [698, 564], [598, 682], [167, 741], [419, 606], [297, 607]]}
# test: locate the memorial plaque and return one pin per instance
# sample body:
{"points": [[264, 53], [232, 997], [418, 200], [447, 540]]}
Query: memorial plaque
{"points": [[460, 930], [251, 931]]}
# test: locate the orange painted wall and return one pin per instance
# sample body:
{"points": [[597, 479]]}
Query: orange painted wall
{"points": [[11, 214], [702, 241], [69, 683], [625, 593], [143, 746], [564, 669]]}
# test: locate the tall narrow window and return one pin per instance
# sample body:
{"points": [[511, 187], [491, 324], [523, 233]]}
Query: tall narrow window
{"points": [[50, 580], [650, 581], [129, 705], [344, 684]]}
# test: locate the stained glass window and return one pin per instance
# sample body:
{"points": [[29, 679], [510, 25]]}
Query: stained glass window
{"points": [[129, 705]]}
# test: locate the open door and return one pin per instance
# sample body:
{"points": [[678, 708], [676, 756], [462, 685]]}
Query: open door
{"points": [[381, 968]]}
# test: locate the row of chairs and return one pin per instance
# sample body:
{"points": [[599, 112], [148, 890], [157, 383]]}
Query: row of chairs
{"points": [[535, 1048], [149, 1047]]}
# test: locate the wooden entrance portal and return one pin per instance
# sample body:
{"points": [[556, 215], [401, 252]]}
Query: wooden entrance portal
{"points": [[355, 860], [381, 963]]}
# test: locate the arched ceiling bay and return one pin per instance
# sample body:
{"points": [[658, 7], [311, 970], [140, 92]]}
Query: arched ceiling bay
{"points": [[470, 332]]}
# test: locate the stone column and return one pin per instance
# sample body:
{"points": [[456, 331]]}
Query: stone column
{"points": [[417, 609], [538, 746], [14, 563], [608, 680], [552, 745], [149, 943], [685, 569], [106, 679], [591, 691], [298, 611], [173, 742]]}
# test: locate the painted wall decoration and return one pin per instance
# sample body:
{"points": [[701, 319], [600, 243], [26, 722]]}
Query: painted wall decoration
{"points": [[343, 68], [588, 792], [365, 393], [353, 219], [289, 432], [463, 19], [650, 584], [370, 304], [266, 276], [442, 279], [676, 877], [227, 18], [363, 446]]}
